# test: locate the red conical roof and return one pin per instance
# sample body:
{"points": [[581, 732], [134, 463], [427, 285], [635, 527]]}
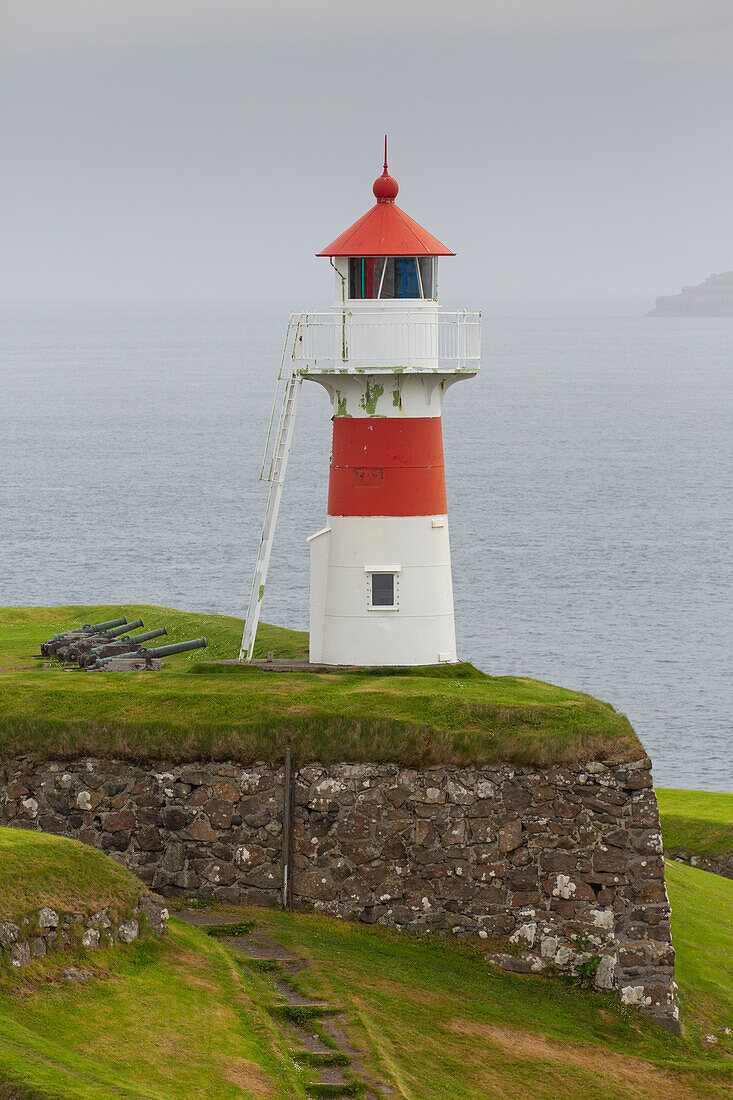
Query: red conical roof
{"points": [[385, 230]]}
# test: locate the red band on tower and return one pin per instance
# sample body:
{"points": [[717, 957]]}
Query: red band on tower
{"points": [[387, 467]]}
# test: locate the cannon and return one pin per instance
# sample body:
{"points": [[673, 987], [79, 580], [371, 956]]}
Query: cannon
{"points": [[49, 648], [144, 658], [118, 646], [64, 648], [73, 647], [132, 639], [92, 628]]}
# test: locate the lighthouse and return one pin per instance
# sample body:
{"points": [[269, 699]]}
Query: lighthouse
{"points": [[381, 590]]}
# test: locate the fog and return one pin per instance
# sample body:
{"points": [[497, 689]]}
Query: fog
{"points": [[208, 150]]}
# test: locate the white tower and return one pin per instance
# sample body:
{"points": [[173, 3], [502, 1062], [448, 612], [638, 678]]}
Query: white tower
{"points": [[380, 585], [380, 582]]}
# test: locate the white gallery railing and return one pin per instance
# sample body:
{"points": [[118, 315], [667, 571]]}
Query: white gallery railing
{"points": [[395, 338]]}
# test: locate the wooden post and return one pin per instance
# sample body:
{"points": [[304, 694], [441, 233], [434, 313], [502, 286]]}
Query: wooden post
{"points": [[288, 803]]}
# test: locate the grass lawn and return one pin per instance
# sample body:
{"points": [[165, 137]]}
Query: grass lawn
{"points": [[696, 822], [702, 933], [191, 711], [166, 1018]]}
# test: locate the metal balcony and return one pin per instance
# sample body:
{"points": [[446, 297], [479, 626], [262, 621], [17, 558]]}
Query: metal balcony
{"points": [[397, 339]]}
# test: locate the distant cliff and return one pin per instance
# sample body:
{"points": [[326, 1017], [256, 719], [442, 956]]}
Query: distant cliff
{"points": [[713, 298]]}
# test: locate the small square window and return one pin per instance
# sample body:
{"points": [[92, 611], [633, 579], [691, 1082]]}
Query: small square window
{"points": [[382, 587], [383, 591]]}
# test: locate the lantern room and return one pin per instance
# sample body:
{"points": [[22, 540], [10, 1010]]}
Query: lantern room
{"points": [[386, 256]]}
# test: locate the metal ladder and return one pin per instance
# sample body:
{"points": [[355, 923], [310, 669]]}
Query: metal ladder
{"points": [[274, 465]]}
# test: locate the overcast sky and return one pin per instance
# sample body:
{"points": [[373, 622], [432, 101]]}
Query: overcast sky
{"points": [[160, 149]]}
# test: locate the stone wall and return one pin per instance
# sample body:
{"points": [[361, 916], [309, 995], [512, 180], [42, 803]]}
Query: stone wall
{"points": [[554, 868], [45, 932]]}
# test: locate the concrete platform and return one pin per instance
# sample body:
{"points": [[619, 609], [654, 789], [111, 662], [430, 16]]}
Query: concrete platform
{"points": [[293, 665], [287, 665]]}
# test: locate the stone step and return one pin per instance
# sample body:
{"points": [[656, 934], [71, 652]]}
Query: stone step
{"points": [[295, 997], [305, 1010], [295, 1001], [265, 953], [322, 1057], [334, 1091], [200, 918], [332, 1075]]}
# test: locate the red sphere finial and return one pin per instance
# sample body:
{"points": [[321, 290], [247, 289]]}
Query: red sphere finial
{"points": [[385, 187]]}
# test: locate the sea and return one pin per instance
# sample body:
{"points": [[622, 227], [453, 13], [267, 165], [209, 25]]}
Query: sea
{"points": [[589, 490]]}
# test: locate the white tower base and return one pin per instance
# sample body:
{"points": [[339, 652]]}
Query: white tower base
{"points": [[345, 627]]}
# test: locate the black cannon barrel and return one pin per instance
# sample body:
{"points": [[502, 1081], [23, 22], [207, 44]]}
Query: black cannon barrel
{"points": [[124, 629], [91, 628], [177, 647], [135, 639], [136, 654], [72, 648], [117, 647]]}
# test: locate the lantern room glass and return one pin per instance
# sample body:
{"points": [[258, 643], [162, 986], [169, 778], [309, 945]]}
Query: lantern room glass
{"points": [[379, 277]]}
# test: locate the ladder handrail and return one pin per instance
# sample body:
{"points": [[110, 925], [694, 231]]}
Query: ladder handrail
{"points": [[276, 476], [292, 331]]}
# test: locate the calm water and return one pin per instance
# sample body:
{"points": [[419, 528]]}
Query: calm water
{"points": [[589, 482]]}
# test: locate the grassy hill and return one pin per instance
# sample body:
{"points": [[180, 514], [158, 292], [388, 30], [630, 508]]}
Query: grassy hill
{"points": [[182, 1017], [192, 710], [165, 1020], [37, 869], [123, 1031]]}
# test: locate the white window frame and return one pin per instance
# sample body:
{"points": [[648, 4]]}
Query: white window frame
{"points": [[369, 570], [419, 277]]}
